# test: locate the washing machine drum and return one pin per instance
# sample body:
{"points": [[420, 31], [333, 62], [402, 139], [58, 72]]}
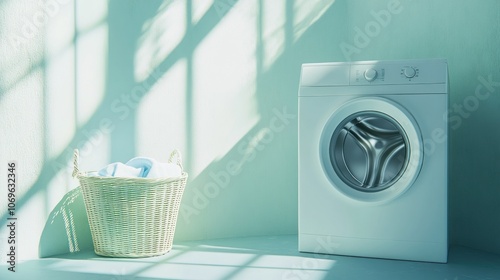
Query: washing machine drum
{"points": [[371, 149]]}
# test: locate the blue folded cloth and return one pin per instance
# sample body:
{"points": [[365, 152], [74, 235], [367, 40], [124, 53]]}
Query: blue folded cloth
{"points": [[141, 167]]}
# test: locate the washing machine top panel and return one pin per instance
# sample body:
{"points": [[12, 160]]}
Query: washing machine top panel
{"points": [[391, 77]]}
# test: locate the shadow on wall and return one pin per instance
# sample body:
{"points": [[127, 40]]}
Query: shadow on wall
{"points": [[250, 189], [67, 229], [259, 173], [256, 178]]}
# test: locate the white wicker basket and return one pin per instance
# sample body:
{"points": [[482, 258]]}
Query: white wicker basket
{"points": [[132, 217]]}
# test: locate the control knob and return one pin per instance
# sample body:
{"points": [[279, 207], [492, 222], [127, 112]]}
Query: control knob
{"points": [[370, 74], [409, 72]]}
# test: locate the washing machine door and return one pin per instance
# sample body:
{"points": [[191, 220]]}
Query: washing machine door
{"points": [[371, 150]]}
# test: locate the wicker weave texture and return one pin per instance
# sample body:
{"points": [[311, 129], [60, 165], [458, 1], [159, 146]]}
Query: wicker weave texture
{"points": [[132, 217]]}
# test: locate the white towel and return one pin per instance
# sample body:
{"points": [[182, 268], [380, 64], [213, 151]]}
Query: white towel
{"points": [[153, 169], [118, 169], [141, 167]]}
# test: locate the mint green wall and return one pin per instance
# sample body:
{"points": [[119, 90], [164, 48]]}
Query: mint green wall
{"points": [[218, 80]]}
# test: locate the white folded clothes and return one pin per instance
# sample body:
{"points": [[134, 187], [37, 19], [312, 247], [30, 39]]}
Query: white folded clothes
{"points": [[141, 167]]}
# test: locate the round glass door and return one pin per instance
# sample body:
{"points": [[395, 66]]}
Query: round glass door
{"points": [[371, 149]]}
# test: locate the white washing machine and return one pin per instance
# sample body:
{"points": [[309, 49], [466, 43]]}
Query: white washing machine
{"points": [[373, 159]]}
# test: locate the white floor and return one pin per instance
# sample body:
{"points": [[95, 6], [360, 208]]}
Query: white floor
{"points": [[273, 257]]}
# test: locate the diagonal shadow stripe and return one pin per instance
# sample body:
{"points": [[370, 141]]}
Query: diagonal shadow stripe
{"points": [[188, 43]]}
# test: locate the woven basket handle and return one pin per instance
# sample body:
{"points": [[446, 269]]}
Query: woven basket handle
{"points": [[76, 157], [178, 159]]}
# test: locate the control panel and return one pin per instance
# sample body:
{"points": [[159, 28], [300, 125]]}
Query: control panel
{"points": [[366, 73], [387, 73]]}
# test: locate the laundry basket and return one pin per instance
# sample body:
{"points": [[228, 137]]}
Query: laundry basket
{"points": [[132, 217]]}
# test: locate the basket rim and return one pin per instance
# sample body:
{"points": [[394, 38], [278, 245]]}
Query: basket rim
{"points": [[175, 155], [85, 175]]}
